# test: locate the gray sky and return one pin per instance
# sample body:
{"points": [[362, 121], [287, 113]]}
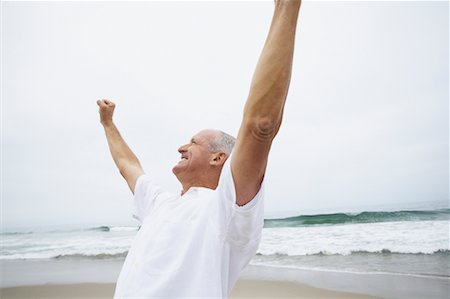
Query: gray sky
{"points": [[366, 122]]}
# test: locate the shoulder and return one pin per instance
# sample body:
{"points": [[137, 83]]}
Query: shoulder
{"points": [[227, 189]]}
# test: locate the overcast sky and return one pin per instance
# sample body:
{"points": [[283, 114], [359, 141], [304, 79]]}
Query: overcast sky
{"points": [[366, 122]]}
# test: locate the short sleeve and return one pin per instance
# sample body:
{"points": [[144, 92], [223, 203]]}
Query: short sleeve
{"points": [[147, 196], [240, 225]]}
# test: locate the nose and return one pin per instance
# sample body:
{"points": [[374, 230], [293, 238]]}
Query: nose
{"points": [[183, 148]]}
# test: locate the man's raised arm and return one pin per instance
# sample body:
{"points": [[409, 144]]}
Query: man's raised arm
{"points": [[264, 107], [125, 159]]}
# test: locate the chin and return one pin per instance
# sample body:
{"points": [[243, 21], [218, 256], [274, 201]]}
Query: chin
{"points": [[176, 170]]}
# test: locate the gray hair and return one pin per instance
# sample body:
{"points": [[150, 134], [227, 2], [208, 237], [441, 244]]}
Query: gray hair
{"points": [[222, 142]]}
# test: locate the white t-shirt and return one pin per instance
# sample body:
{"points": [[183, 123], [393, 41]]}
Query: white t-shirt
{"points": [[190, 246]]}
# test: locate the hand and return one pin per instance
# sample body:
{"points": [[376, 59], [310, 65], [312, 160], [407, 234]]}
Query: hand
{"points": [[106, 110]]}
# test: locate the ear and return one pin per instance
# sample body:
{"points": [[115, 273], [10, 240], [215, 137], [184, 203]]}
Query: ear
{"points": [[218, 159]]}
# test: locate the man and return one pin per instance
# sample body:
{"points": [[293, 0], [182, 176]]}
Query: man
{"points": [[194, 244]]}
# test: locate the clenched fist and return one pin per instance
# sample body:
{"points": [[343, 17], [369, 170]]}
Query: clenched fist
{"points": [[106, 110]]}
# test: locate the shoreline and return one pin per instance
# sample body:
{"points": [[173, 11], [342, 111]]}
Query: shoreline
{"points": [[378, 284], [96, 279], [243, 289]]}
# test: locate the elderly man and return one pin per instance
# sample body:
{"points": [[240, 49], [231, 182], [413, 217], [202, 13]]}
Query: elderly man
{"points": [[194, 244]]}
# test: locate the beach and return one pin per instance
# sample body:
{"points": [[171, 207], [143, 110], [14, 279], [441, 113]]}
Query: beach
{"points": [[378, 254], [81, 278], [243, 289], [355, 197], [96, 279]]}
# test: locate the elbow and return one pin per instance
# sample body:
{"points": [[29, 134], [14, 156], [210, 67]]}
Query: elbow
{"points": [[125, 167], [122, 170], [264, 128]]}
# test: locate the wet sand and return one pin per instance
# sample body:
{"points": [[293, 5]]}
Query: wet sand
{"points": [[243, 289], [83, 278]]}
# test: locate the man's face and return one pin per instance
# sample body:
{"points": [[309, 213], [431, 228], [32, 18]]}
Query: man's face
{"points": [[195, 156]]}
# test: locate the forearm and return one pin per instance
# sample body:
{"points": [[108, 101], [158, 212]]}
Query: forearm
{"points": [[271, 79], [121, 153]]}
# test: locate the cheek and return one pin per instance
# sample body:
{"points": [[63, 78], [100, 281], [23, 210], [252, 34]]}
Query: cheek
{"points": [[201, 158]]}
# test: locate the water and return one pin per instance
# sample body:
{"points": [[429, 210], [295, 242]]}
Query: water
{"points": [[94, 243], [410, 242], [362, 217]]}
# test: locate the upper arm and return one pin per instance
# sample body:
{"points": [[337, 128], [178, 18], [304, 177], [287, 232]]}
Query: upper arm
{"points": [[131, 172], [250, 155]]}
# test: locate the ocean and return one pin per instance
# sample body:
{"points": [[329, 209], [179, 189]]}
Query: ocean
{"points": [[404, 242]]}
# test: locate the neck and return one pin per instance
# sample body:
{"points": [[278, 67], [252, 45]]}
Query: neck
{"points": [[208, 185], [208, 180]]}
